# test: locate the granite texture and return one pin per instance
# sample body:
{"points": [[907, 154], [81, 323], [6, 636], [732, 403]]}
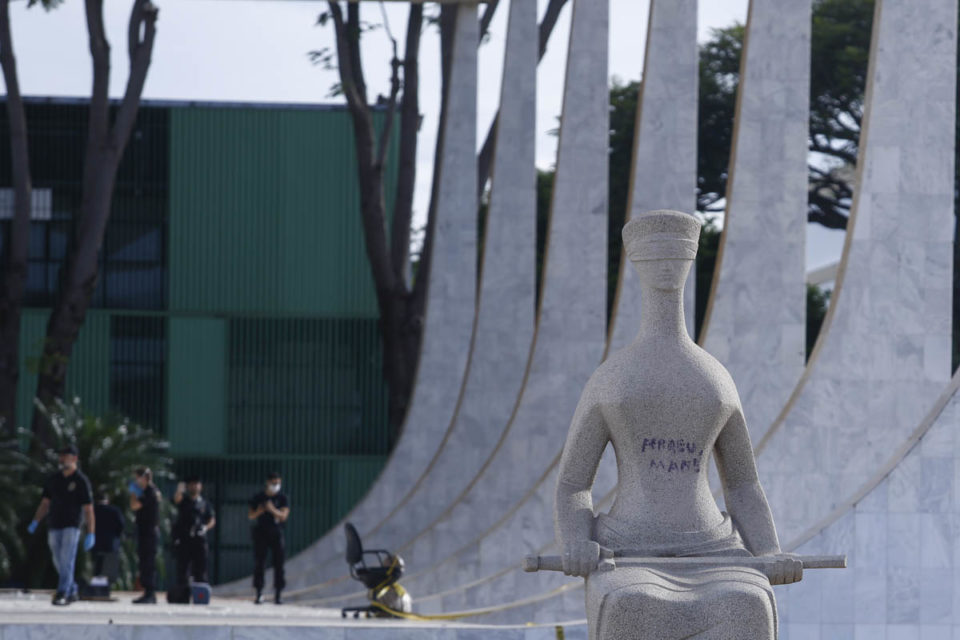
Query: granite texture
{"points": [[666, 119], [449, 320], [755, 322], [884, 352], [665, 404]]}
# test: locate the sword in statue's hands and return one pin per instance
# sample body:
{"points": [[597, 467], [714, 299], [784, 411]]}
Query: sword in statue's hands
{"points": [[783, 568]]}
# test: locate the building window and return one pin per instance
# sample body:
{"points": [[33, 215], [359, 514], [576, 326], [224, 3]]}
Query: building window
{"points": [[138, 347]]}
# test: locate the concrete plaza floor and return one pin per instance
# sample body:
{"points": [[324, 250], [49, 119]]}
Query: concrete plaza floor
{"points": [[30, 616]]}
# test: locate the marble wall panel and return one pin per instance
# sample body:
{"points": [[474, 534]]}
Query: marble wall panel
{"points": [[884, 354], [450, 313], [665, 144], [900, 533], [755, 322]]}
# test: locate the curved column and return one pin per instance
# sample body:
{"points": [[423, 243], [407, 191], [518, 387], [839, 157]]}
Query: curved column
{"points": [[569, 340], [506, 306], [482, 570], [505, 316], [664, 172], [884, 352], [450, 311], [755, 322]]}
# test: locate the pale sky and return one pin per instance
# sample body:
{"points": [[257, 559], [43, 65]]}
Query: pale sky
{"points": [[256, 50]]}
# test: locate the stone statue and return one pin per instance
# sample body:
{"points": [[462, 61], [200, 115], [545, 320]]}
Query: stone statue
{"points": [[665, 404]]}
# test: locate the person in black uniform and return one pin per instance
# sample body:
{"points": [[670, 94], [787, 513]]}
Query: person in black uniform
{"points": [[269, 510], [194, 519], [66, 495], [145, 502], [110, 524]]}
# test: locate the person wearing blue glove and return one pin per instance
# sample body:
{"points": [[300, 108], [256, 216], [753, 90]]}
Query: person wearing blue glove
{"points": [[66, 498], [145, 502]]}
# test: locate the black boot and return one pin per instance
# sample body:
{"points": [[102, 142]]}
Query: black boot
{"points": [[148, 597], [259, 598], [277, 599]]}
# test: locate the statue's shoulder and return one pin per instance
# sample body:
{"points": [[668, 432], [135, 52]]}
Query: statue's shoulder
{"points": [[713, 370], [625, 362]]}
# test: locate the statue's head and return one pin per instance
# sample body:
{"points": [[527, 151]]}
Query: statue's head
{"points": [[662, 246]]}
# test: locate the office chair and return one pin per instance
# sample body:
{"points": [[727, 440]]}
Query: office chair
{"points": [[375, 577]]}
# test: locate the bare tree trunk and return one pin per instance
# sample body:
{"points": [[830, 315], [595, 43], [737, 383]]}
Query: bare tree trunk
{"points": [[105, 145], [401, 317], [409, 131], [401, 304], [16, 242]]}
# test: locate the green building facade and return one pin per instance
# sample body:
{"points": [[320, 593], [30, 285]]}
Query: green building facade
{"points": [[235, 312]]}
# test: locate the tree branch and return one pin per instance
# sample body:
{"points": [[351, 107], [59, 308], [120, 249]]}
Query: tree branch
{"points": [[355, 95], [550, 17], [16, 241], [98, 119], [143, 17], [392, 101], [371, 192], [487, 18], [353, 39], [409, 129]]}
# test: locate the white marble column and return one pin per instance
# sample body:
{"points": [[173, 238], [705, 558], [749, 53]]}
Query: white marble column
{"points": [[664, 172], [569, 340], [450, 313], [755, 321], [884, 352], [506, 306]]}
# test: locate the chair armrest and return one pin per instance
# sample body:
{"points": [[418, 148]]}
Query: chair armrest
{"points": [[381, 554]]}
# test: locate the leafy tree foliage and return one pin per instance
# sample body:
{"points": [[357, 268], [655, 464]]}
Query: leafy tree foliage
{"points": [[719, 74], [110, 448], [817, 302], [16, 500]]}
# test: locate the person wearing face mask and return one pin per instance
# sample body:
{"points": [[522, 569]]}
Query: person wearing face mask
{"points": [[194, 520], [144, 501], [66, 496], [268, 512]]}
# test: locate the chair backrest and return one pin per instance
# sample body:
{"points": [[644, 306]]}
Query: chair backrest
{"points": [[354, 546]]}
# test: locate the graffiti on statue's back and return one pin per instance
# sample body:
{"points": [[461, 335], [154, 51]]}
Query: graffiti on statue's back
{"points": [[672, 456]]}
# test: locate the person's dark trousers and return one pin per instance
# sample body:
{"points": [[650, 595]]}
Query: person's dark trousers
{"points": [[147, 555], [272, 541], [191, 560], [99, 557]]}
